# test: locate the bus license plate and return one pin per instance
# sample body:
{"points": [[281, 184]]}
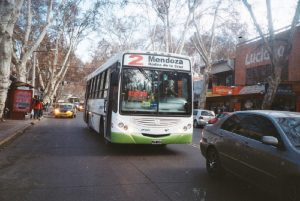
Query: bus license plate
{"points": [[156, 141]]}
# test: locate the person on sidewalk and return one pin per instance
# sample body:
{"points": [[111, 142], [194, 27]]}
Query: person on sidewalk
{"points": [[36, 109], [41, 107]]}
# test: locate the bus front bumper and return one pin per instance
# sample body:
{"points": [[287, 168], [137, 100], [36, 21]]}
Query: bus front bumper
{"points": [[123, 138]]}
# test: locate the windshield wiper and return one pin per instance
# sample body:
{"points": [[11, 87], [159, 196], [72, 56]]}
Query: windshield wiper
{"points": [[145, 74]]}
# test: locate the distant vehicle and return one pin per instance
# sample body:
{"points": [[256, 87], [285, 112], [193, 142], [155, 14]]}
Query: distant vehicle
{"points": [[80, 107], [201, 117], [73, 99], [261, 147], [141, 98], [65, 110], [218, 117]]}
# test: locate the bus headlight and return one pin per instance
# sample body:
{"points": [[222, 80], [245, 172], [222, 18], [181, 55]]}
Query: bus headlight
{"points": [[185, 128], [121, 125], [189, 126]]}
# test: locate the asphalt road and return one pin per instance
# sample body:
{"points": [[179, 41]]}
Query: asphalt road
{"points": [[62, 160]]}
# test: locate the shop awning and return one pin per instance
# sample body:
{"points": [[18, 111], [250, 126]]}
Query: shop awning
{"points": [[253, 89]]}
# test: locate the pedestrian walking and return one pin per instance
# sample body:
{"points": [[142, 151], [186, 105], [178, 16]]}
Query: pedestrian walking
{"points": [[46, 107], [41, 107], [37, 107]]}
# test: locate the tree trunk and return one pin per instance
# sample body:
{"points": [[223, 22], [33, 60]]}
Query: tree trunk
{"points": [[9, 12], [202, 95], [22, 72], [273, 83], [5, 61]]}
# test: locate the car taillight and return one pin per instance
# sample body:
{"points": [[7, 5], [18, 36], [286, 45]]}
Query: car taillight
{"points": [[200, 117]]}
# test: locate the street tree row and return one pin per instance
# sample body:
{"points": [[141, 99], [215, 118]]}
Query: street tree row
{"points": [[31, 28]]}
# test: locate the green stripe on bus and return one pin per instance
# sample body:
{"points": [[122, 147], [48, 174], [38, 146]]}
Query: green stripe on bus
{"points": [[139, 139]]}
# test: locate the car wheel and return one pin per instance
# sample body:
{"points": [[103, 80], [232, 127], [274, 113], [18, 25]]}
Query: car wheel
{"points": [[195, 124], [291, 191], [213, 164]]}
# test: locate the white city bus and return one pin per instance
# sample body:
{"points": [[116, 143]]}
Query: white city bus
{"points": [[141, 98]]}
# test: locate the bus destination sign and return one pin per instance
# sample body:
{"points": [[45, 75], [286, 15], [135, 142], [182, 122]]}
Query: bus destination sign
{"points": [[156, 61]]}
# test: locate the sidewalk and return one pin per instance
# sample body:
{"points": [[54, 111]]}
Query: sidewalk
{"points": [[10, 129]]}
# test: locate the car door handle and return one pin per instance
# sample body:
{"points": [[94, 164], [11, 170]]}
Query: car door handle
{"points": [[246, 144]]}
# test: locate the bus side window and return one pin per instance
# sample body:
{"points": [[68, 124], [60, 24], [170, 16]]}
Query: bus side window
{"points": [[87, 90], [103, 87], [95, 87], [91, 88], [98, 79], [106, 84], [99, 86], [102, 84]]}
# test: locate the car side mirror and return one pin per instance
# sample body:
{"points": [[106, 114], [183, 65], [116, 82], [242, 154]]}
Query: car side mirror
{"points": [[270, 140]]}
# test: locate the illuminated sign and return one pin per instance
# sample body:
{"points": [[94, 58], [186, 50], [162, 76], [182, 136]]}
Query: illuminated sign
{"points": [[157, 61]]}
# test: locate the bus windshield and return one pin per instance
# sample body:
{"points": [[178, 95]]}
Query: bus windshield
{"points": [[146, 91]]}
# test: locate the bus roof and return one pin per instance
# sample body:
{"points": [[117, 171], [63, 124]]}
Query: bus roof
{"points": [[119, 56]]}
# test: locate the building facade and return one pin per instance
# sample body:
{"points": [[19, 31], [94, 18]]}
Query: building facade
{"points": [[242, 86], [252, 67]]}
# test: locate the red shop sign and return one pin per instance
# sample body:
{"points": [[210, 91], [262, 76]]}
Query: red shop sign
{"points": [[22, 100]]}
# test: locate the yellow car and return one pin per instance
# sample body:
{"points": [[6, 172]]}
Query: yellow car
{"points": [[65, 110]]}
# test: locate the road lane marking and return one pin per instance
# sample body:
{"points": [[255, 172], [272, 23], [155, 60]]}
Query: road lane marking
{"points": [[195, 145]]}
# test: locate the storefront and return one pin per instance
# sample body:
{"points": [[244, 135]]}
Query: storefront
{"points": [[234, 98], [251, 98]]}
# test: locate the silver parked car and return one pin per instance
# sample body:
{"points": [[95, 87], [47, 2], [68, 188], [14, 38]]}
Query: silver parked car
{"points": [[261, 147], [201, 117]]}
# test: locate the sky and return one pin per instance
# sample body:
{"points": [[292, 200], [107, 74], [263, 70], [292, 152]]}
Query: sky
{"points": [[283, 12]]}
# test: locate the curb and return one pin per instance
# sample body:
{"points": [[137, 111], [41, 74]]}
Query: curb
{"points": [[13, 136]]}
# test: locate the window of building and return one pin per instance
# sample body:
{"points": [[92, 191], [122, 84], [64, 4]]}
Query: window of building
{"points": [[260, 74]]}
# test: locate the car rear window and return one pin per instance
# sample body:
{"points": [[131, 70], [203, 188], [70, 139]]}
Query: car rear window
{"points": [[207, 113]]}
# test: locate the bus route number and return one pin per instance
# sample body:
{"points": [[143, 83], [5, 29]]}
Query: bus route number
{"points": [[136, 60]]}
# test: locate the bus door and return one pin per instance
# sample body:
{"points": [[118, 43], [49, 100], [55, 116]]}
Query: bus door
{"points": [[112, 100]]}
